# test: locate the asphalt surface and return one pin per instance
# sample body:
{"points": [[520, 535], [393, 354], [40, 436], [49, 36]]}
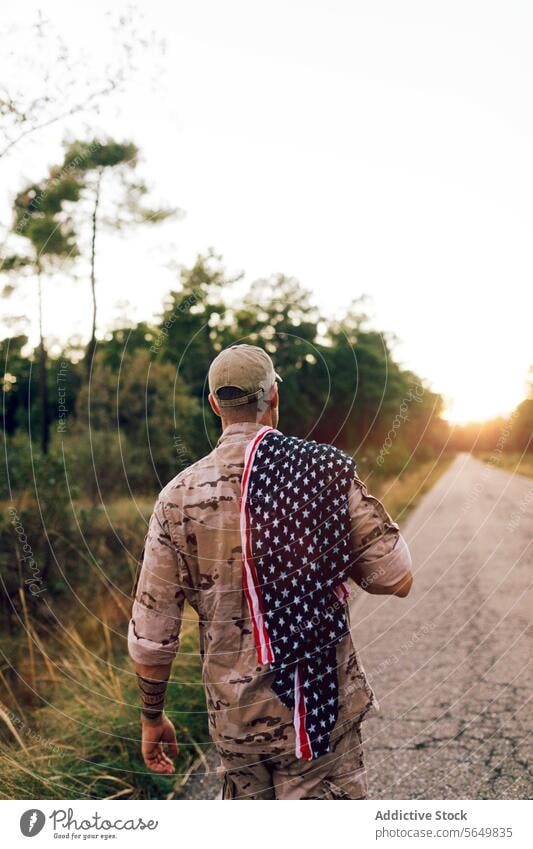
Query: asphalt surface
{"points": [[451, 663]]}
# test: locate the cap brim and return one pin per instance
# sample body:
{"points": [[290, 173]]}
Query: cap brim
{"points": [[278, 378]]}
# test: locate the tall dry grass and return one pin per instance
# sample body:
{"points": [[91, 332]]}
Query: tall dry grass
{"points": [[72, 729]]}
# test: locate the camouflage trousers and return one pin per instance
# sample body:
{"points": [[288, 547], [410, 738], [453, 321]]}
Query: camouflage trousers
{"points": [[340, 774]]}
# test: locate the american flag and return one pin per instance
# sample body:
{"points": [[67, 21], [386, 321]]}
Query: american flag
{"points": [[295, 530]]}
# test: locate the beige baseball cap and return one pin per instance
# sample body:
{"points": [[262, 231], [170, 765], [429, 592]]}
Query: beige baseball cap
{"points": [[246, 367]]}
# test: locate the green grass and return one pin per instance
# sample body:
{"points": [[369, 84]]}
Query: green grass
{"points": [[403, 493], [82, 740], [514, 462]]}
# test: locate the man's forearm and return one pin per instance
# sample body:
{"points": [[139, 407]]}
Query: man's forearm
{"points": [[152, 682], [401, 588]]}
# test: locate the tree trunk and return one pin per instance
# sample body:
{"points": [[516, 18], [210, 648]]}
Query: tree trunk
{"points": [[43, 385], [91, 347]]}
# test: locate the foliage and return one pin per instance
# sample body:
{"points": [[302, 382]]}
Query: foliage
{"points": [[56, 82], [82, 739]]}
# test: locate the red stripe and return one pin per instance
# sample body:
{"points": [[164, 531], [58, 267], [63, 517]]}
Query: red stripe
{"points": [[266, 639], [249, 557], [305, 743], [269, 655], [246, 472], [257, 639], [342, 591]]}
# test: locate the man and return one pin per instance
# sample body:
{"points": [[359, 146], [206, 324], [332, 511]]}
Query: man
{"points": [[259, 537]]}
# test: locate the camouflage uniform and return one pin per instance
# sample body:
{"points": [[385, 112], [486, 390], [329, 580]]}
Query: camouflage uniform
{"points": [[193, 552], [340, 774]]}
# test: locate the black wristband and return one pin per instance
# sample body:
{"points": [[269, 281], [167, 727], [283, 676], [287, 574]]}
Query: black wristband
{"points": [[151, 714], [152, 694]]}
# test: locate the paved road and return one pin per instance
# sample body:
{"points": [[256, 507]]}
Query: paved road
{"points": [[451, 664]]}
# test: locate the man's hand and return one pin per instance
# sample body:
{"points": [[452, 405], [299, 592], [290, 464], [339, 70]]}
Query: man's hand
{"points": [[156, 733]]}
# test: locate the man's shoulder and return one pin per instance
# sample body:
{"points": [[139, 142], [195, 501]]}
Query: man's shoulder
{"points": [[186, 478], [317, 451], [214, 476]]}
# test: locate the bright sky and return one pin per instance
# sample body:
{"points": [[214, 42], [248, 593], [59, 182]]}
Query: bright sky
{"points": [[365, 148]]}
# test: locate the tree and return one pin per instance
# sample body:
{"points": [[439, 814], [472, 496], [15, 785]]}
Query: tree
{"points": [[16, 382], [55, 81], [522, 420], [278, 314], [52, 81], [139, 424], [94, 165], [39, 219], [194, 325]]}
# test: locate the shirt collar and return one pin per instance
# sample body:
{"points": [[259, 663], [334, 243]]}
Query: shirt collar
{"points": [[239, 431]]}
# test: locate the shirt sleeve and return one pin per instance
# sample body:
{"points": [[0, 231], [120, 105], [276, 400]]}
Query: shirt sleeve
{"points": [[155, 624], [380, 554]]}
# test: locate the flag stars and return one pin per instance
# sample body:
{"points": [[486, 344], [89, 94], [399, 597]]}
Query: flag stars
{"points": [[298, 507]]}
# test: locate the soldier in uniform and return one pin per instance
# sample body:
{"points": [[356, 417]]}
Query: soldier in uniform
{"points": [[194, 552]]}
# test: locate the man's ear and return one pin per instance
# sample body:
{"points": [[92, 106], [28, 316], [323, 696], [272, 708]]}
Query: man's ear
{"points": [[214, 405], [274, 397]]}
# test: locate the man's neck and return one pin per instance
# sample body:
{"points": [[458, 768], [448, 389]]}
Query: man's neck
{"points": [[239, 430], [264, 420]]}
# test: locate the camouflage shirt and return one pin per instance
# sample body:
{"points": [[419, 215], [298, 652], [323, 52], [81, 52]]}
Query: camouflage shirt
{"points": [[193, 553]]}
